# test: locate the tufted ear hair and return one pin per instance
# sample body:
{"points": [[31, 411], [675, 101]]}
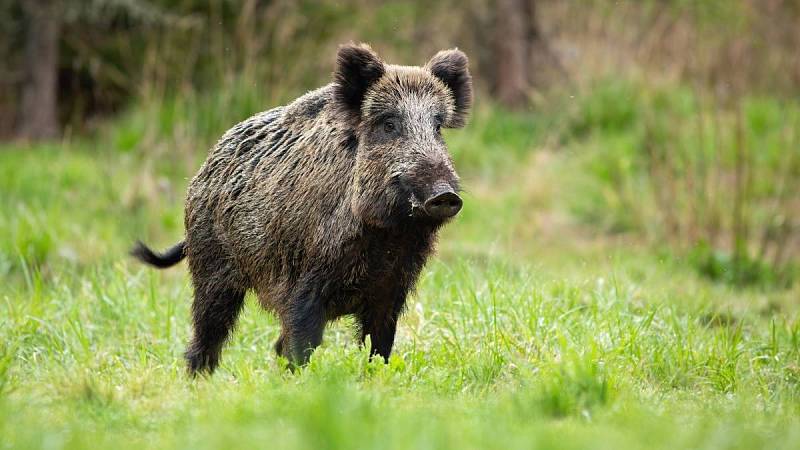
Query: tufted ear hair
{"points": [[357, 68], [450, 66]]}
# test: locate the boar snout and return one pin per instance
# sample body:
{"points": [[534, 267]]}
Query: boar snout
{"points": [[443, 204]]}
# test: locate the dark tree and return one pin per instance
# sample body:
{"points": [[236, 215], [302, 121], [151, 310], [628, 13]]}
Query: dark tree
{"points": [[38, 115], [521, 58]]}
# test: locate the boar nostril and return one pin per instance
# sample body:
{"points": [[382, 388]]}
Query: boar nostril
{"points": [[443, 205]]}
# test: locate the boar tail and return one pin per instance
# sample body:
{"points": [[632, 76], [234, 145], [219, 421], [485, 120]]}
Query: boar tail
{"points": [[169, 258]]}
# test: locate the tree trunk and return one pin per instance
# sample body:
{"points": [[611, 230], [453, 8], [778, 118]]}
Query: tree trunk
{"points": [[510, 81], [38, 115], [522, 58]]}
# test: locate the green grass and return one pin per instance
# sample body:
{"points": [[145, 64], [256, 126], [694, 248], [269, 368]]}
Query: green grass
{"points": [[530, 329]]}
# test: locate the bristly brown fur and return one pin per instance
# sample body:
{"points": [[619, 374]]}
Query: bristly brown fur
{"points": [[316, 206]]}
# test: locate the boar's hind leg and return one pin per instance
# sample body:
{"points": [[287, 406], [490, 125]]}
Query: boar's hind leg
{"points": [[214, 314]]}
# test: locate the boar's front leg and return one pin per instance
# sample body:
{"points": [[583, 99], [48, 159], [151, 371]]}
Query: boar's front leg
{"points": [[378, 320], [303, 320]]}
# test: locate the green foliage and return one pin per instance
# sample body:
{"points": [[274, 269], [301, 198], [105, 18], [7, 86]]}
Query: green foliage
{"points": [[670, 165], [611, 107], [747, 271], [496, 139]]}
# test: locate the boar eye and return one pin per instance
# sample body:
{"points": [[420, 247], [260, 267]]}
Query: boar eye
{"points": [[438, 123], [388, 126]]}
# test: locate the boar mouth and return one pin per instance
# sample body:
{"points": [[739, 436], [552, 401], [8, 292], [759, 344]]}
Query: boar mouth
{"points": [[414, 206], [417, 206], [439, 207]]}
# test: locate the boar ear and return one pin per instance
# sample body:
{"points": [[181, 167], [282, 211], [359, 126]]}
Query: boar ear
{"points": [[357, 68], [450, 66]]}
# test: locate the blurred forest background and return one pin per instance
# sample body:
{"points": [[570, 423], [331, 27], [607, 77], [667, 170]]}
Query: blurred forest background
{"points": [[625, 272], [682, 117]]}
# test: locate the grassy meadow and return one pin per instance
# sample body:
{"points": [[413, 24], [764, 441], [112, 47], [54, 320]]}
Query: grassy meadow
{"points": [[556, 314]]}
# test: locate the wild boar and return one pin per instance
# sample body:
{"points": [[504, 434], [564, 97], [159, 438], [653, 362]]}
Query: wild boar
{"points": [[325, 207]]}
